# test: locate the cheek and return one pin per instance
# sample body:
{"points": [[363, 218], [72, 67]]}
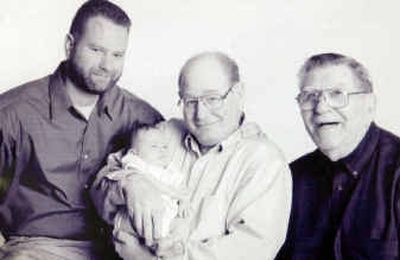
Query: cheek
{"points": [[117, 66], [188, 118], [307, 119], [83, 61]]}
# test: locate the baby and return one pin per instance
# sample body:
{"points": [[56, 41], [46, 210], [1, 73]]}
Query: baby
{"points": [[150, 155]]}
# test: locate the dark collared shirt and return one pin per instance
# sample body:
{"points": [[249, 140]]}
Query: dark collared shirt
{"points": [[347, 209], [49, 155]]}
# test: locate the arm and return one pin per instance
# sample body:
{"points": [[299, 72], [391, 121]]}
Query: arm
{"points": [[106, 194], [9, 150], [132, 192]]}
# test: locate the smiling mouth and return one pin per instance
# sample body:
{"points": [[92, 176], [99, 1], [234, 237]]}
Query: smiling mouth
{"points": [[101, 75], [204, 125], [327, 124]]}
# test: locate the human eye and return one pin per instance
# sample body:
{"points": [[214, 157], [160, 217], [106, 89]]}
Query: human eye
{"points": [[190, 102], [118, 55], [212, 100], [336, 93], [306, 96], [95, 49]]}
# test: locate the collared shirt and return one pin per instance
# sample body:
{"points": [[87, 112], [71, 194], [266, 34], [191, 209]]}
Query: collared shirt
{"points": [[240, 197], [49, 155], [347, 209]]}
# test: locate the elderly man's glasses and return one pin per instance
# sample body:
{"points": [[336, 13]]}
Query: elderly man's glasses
{"points": [[335, 98], [210, 101]]}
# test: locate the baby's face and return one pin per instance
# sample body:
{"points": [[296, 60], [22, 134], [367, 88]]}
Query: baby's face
{"points": [[152, 146]]}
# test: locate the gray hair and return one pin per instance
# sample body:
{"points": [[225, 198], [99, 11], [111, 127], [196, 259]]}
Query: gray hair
{"points": [[227, 63], [326, 59]]}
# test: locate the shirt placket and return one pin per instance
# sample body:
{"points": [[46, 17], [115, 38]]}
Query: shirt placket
{"points": [[86, 155]]}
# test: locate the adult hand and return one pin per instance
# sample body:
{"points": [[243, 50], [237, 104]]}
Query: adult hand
{"points": [[145, 207], [128, 247], [174, 243], [169, 247]]}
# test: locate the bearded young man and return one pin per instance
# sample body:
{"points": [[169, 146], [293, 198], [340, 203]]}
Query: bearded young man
{"points": [[55, 134]]}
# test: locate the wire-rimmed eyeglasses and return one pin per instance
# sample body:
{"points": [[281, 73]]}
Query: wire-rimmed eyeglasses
{"points": [[213, 101], [336, 98]]}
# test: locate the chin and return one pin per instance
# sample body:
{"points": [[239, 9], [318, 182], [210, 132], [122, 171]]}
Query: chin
{"points": [[98, 89], [326, 146]]}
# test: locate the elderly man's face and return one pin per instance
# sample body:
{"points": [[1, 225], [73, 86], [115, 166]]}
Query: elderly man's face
{"points": [[209, 124], [337, 130], [97, 58]]}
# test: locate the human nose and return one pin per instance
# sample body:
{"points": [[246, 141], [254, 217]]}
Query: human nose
{"points": [[106, 62], [201, 109]]}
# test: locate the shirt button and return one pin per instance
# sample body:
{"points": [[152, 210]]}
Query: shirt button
{"points": [[86, 186], [85, 156], [355, 174], [339, 188]]}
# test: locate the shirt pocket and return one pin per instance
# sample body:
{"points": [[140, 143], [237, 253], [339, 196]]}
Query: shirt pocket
{"points": [[211, 218]]}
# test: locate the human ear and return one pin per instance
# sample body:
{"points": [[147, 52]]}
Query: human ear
{"points": [[69, 45], [239, 91], [372, 104]]}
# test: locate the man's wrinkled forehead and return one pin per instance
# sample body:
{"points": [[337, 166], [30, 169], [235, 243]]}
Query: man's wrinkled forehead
{"points": [[208, 66], [206, 75], [330, 76]]}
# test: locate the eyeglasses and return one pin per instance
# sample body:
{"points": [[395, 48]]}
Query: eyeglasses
{"points": [[210, 101], [336, 98]]}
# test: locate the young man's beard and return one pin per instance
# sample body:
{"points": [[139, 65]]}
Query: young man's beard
{"points": [[84, 83]]}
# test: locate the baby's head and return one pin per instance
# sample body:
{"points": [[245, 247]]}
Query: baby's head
{"points": [[152, 144]]}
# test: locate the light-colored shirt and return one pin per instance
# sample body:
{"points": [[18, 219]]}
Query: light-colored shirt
{"points": [[240, 200]]}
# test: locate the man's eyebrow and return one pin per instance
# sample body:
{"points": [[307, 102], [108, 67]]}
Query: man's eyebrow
{"points": [[93, 45]]}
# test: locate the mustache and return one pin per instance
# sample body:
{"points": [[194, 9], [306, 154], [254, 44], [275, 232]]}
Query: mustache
{"points": [[102, 73]]}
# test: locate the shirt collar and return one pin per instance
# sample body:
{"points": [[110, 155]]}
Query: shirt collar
{"points": [[61, 102], [357, 159], [59, 99]]}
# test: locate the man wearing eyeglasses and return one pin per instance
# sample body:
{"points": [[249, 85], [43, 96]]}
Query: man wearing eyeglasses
{"points": [[239, 182], [345, 193]]}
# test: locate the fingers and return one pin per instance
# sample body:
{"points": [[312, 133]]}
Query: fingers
{"points": [[138, 220], [147, 225], [146, 207], [169, 247], [157, 224]]}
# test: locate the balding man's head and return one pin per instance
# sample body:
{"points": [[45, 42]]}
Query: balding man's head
{"points": [[211, 93], [225, 64]]}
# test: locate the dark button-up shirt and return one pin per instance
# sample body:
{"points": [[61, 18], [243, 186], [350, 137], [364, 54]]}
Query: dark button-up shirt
{"points": [[49, 155], [348, 209]]}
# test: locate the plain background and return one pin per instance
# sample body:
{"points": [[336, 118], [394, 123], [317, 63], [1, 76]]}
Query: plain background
{"points": [[269, 40]]}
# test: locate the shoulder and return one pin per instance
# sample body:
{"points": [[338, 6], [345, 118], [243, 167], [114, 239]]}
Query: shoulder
{"points": [[388, 140], [36, 90], [258, 146], [126, 102], [388, 148], [306, 167], [305, 161]]}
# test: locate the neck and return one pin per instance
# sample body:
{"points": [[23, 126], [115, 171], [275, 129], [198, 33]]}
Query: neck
{"points": [[80, 97], [335, 155]]}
